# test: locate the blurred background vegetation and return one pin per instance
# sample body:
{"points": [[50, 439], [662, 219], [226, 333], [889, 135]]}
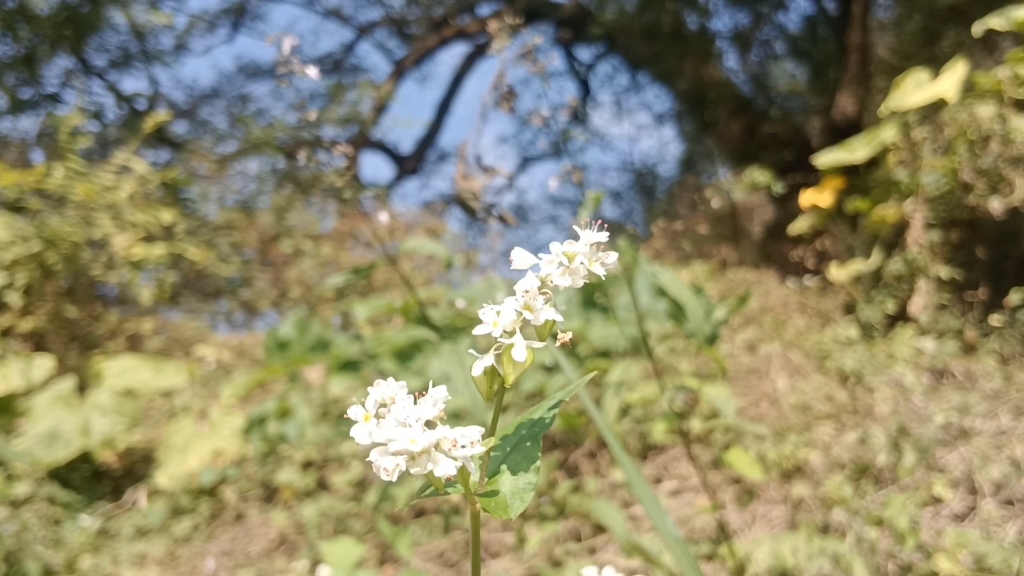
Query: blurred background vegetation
{"points": [[220, 220]]}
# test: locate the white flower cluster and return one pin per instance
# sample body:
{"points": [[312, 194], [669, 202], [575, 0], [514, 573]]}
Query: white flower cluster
{"points": [[569, 265], [606, 571], [408, 433]]}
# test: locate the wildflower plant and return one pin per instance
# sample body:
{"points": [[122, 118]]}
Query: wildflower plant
{"points": [[496, 472]]}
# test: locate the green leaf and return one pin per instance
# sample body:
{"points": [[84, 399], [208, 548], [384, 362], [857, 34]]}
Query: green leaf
{"points": [[141, 373], [702, 320], [860, 148], [194, 443], [25, 372], [616, 522], [52, 433], [512, 370], [399, 339], [342, 553], [743, 463], [341, 280], [808, 223], [425, 246], [842, 273], [684, 562], [918, 87], [725, 310], [515, 459], [1008, 19]]}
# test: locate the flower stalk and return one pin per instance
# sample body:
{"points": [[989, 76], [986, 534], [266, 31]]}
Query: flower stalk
{"points": [[405, 432]]}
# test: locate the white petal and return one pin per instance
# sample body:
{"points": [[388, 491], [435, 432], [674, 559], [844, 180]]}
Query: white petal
{"points": [[521, 259], [519, 351]]}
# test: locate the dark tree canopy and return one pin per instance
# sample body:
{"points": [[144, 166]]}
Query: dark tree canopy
{"points": [[731, 82]]}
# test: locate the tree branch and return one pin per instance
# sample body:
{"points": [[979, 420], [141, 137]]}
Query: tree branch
{"points": [[851, 92], [411, 163]]}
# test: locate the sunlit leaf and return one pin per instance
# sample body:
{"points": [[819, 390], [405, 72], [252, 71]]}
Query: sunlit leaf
{"points": [[917, 88], [808, 223], [860, 148], [742, 462], [194, 443], [824, 195], [52, 433], [342, 553], [1007, 19], [20, 373], [142, 373], [843, 273]]}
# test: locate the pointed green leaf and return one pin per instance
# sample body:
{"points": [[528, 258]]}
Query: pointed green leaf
{"points": [[860, 148], [917, 88], [1008, 19], [808, 223], [515, 459], [684, 562]]}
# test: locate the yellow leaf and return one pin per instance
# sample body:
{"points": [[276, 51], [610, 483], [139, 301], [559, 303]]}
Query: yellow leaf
{"points": [[824, 195]]}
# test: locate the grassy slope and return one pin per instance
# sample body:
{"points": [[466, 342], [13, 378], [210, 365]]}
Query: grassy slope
{"points": [[898, 456]]}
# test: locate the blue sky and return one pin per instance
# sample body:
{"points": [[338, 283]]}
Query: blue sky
{"points": [[631, 124]]}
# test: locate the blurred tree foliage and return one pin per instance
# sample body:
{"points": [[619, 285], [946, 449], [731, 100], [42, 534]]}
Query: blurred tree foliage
{"points": [[934, 225]]}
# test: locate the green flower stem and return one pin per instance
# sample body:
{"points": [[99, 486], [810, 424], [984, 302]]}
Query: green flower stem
{"points": [[492, 428], [436, 482], [474, 522], [499, 397]]}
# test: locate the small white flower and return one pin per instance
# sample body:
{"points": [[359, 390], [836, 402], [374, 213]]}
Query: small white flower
{"points": [[388, 391], [592, 233], [365, 422], [482, 361], [522, 260], [537, 309], [432, 403], [385, 464], [495, 319], [433, 461], [520, 345], [529, 283], [323, 570], [464, 442]]}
